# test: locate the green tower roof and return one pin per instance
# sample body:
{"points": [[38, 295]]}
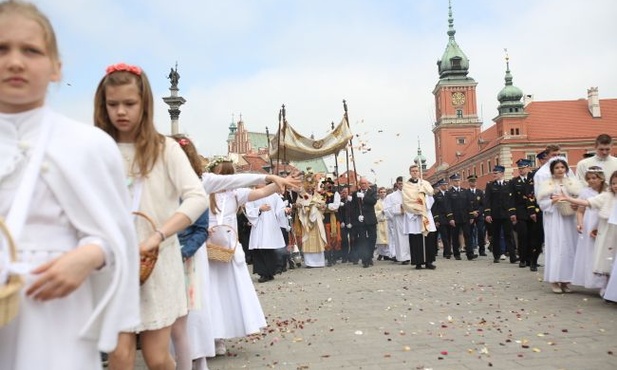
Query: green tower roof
{"points": [[453, 62]]}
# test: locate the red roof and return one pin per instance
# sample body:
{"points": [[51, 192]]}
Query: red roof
{"points": [[570, 119]]}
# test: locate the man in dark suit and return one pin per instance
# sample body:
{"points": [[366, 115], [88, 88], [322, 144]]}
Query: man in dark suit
{"points": [[461, 206], [347, 253], [364, 221], [476, 228], [440, 211], [522, 194], [500, 213]]}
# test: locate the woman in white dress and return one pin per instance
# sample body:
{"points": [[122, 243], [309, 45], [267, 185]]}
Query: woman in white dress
{"points": [[606, 203], [236, 311], [587, 226], [560, 234], [64, 199]]}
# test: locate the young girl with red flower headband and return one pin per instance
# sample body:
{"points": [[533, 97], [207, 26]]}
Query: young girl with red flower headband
{"points": [[158, 175], [64, 198]]}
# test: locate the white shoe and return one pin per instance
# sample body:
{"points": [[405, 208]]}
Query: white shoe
{"points": [[503, 257], [219, 347]]}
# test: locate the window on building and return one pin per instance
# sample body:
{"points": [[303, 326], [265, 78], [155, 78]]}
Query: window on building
{"points": [[481, 169], [531, 157], [460, 140], [459, 113], [496, 161], [488, 164], [456, 62]]}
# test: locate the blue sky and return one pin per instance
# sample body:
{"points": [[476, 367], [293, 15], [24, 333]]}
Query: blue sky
{"points": [[250, 56]]}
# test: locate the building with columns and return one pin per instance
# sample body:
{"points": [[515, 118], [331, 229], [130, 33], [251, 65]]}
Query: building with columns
{"points": [[522, 128]]}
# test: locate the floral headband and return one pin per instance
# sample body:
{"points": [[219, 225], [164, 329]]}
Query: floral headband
{"points": [[215, 162], [183, 141], [595, 169], [123, 67]]}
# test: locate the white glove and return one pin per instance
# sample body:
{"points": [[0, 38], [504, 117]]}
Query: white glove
{"points": [[349, 198], [349, 226], [342, 225], [360, 195]]}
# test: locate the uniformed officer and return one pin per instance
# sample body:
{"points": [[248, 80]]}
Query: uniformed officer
{"points": [[440, 211], [499, 214], [525, 215], [537, 231], [477, 230], [461, 212]]}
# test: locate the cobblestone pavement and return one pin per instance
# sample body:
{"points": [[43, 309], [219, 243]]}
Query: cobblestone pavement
{"points": [[464, 315]]}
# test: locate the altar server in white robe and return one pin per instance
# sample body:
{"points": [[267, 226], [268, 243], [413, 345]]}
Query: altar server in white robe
{"points": [[266, 235], [393, 209], [63, 194]]}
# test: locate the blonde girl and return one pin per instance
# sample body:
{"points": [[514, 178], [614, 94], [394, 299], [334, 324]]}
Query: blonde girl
{"points": [[63, 196], [587, 227], [158, 174]]}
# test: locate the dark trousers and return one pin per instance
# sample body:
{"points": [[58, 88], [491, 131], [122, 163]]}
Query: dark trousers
{"points": [[365, 237], [523, 239], [423, 248], [477, 232], [346, 242], [444, 233], [497, 226], [455, 231], [536, 231]]}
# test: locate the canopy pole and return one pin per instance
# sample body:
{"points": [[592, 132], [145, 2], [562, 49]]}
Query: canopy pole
{"points": [[353, 158]]}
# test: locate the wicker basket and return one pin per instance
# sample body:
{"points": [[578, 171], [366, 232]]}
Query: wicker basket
{"points": [[217, 251], [9, 293], [147, 259]]}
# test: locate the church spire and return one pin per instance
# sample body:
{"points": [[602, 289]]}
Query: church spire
{"points": [[454, 63], [451, 30]]}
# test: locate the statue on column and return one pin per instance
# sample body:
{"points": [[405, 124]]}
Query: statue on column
{"points": [[173, 77]]}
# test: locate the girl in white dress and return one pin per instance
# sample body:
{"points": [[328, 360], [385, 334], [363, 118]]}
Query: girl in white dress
{"points": [[606, 203], [587, 226], [560, 234], [63, 196], [159, 175], [235, 307]]}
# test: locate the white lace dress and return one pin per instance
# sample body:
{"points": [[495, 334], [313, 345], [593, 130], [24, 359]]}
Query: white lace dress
{"points": [[172, 178]]}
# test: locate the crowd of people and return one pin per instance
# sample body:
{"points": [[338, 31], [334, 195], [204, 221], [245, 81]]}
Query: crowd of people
{"points": [[116, 225], [569, 217]]}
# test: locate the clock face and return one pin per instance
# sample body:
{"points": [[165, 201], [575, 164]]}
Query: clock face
{"points": [[458, 98]]}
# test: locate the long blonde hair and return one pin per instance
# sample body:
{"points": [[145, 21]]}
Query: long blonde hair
{"points": [[148, 142], [30, 11]]}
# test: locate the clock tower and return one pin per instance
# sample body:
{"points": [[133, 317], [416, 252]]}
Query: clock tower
{"points": [[456, 116]]}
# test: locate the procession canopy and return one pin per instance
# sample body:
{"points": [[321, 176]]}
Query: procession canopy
{"points": [[295, 147]]}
